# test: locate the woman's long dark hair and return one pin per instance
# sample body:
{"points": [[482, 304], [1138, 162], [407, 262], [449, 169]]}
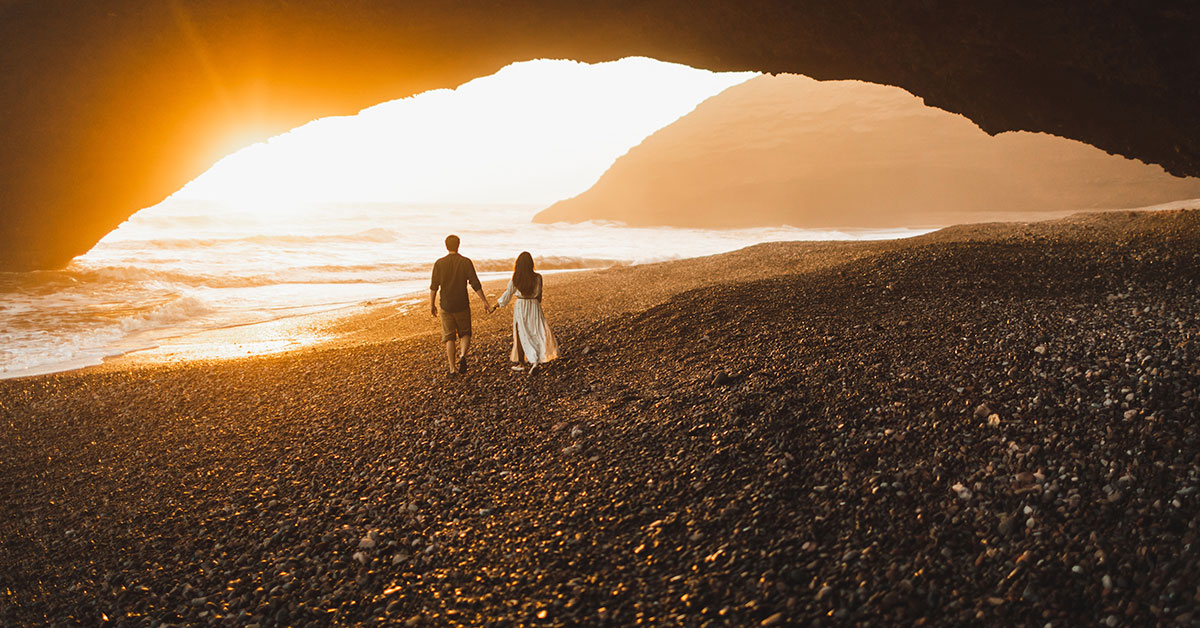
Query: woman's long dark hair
{"points": [[524, 278]]}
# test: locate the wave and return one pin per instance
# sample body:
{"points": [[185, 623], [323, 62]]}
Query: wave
{"points": [[321, 273], [297, 275], [550, 262], [83, 344], [377, 235], [182, 309], [141, 275]]}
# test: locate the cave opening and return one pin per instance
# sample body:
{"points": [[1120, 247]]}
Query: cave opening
{"points": [[586, 165]]}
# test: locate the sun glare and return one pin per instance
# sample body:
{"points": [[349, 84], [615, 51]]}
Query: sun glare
{"points": [[536, 131]]}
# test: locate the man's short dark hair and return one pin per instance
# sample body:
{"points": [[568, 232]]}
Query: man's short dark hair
{"points": [[452, 243]]}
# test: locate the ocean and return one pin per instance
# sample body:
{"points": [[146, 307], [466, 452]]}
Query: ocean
{"points": [[188, 266]]}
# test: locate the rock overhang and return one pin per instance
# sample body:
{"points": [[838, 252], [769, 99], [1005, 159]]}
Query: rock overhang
{"points": [[110, 107]]}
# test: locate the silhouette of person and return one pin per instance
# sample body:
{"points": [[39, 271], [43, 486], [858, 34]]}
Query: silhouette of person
{"points": [[532, 339], [451, 274]]}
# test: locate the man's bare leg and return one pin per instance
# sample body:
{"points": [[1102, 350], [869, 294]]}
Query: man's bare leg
{"points": [[464, 345], [451, 361]]}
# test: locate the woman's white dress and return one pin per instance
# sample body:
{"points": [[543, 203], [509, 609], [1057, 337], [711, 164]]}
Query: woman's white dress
{"points": [[529, 325]]}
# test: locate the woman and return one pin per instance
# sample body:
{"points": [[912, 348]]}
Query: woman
{"points": [[532, 339]]}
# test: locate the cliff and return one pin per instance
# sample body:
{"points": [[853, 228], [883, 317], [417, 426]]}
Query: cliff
{"points": [[108, 107], [792, 150]]}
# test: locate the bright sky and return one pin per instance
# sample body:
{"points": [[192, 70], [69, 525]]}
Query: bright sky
{"points": [[534, 132]]}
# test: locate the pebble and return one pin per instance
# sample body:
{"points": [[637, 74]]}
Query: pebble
{"points": [[774, 477]]}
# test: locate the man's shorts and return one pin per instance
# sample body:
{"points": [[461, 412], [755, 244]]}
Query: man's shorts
{"points": [[456, 325]]}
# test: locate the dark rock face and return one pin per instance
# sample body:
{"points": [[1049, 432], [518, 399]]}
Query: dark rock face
{"points": [[108, 108]]}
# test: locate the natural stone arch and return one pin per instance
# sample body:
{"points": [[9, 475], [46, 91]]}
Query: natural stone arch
{"points": [[106, 108]]}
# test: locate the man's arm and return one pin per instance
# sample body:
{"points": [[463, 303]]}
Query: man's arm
{"points": [[473, 279], [487, 307], [434, 281]]}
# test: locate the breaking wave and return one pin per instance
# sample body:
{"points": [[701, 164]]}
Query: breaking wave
{"points": [[86, 338], [184, 267], [375, 235]]}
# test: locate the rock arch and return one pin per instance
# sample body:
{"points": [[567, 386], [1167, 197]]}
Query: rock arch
{"points": [[106, 108]]}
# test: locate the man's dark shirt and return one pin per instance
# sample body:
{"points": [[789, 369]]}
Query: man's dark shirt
{"points": [[450, 275]]}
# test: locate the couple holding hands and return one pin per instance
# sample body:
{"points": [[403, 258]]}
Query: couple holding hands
{"points": [[532, 340]]}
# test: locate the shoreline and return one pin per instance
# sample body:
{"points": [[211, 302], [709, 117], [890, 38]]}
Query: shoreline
{"points": [[343, 326], [269, 336], [265, 335], [989, 424]]}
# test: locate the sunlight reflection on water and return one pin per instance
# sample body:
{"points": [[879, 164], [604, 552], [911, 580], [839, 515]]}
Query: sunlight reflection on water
{"points": [[184, 267]]}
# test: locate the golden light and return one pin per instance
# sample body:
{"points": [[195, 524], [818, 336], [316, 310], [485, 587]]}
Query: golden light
{"points": [[534, 132]]}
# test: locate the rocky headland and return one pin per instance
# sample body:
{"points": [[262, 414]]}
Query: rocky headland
{"points": [[792, 150], [987, 425]]}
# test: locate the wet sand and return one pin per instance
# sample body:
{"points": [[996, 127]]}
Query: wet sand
{"points": [[990, 424]]}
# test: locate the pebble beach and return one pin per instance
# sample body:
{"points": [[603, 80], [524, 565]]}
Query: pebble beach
{"points": [[993, 425]]}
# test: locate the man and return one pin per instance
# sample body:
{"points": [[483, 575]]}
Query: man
{"points": [[451, 275]]}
